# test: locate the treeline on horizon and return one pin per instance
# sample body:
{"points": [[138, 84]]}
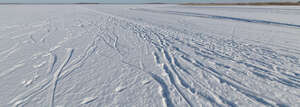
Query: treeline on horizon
{"points": [[249, 3]]}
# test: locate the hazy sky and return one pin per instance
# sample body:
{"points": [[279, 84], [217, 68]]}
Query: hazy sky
{"points": [[129, 1]]}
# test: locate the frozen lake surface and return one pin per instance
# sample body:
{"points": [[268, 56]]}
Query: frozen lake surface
{"points": [[149, 56]]}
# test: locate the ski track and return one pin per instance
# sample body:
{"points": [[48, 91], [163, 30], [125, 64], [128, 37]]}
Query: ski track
{"points": [[247, 93], [68, 54], [192, 68], [61, 73]]}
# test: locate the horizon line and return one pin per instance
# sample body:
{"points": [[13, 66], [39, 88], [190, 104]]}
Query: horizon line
{"points": [[184, 3]]}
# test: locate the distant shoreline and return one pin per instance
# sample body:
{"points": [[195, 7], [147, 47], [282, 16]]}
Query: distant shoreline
{"points": [[44, 3], [191, 4], [252, 3]]}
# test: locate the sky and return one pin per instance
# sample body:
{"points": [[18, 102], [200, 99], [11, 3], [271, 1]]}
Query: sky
{"points": [[131, 1]]}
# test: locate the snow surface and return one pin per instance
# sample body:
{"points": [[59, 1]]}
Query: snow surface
{"points": [[149, 56]]}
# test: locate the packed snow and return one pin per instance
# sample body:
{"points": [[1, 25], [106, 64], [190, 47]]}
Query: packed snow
{"points": [[149, 56]]}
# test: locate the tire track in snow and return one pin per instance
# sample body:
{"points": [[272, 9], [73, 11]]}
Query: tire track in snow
{"points": [[262, 99], [169, 69], [245, 92], [264, 72], [51, 61], [56, 75], [181, 81], [259, 99], [164, 91], [145, 32], [174, 79], [227, 67], [280, 80], [169, 66], [162, 44], [163, 87], [166, 100], [48, 81], [211, 96], [214, 99], [78, 62]]}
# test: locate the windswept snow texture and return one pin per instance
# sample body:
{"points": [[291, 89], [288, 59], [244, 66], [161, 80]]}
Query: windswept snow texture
{"points": [[149, 56]]}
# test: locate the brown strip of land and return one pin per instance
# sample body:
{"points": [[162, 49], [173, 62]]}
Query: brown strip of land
{"points": [[256, 3]]}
